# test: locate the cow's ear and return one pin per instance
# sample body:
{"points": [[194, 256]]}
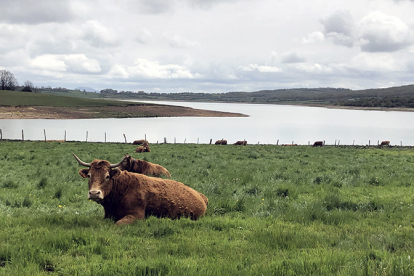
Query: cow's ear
{"points": [[84, 173], [115, 173]]}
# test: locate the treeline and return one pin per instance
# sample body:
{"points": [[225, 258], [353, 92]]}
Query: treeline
{"points": [[402, 96]]}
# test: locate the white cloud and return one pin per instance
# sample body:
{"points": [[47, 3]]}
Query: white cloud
{"points": [[48, 62], [261, 68], [315, 68], [292, 57], [81, 64], [78, 63], [340, 27], [313, 37], [176, 41], [383, 33], [98, 35], [376, 62], [152, 69], [36, 12]]}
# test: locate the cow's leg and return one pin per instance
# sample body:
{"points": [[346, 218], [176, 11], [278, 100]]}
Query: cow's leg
{"points": [[131, 218]]}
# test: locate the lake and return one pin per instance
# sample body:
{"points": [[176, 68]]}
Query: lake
{"points": [[266, 124]]}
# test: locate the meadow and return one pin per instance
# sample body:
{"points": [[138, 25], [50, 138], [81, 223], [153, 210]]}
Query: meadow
{"points": [[272, 210]]}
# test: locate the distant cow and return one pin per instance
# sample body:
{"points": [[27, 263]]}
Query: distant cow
{"points": [[144, 148], [127, 196], [318, 144], [241, 143], [385, 143], [139, 142], [141, 166], [221, 142]]}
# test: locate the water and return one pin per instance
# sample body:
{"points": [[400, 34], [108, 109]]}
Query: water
{"points": [[266, 124]]}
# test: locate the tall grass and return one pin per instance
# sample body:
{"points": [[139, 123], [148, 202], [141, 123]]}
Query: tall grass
{"points": [[272, 211]]}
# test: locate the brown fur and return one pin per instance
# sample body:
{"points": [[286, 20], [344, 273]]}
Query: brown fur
{"points": [[144, 148], [318, 144], [141, 166], [385, 143], [139, 142], [241, 143], [221, 142], [128, 196]]}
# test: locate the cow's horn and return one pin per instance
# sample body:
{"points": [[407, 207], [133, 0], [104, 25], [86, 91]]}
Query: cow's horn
{"points": [[81, 162], [117, 165]]}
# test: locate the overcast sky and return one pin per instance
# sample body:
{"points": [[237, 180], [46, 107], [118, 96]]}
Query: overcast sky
{"points": [[208, 45]]}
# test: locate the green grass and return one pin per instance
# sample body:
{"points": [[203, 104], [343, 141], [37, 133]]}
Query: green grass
{"points": [[17, 98], [272, 211]]}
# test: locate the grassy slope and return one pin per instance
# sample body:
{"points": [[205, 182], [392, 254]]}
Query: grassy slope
{"points": [[17, 98], [272, 211]]}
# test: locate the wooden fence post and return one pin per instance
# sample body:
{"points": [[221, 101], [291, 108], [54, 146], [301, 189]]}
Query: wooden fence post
{"points": [[165, 140], [65, 136], [125, 138], [44, 132], [105, 136], [211, 141], [22, 135], [1, 134], [86, 136]]}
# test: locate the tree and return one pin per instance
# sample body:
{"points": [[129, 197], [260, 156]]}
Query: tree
{"points": [[28, 87], [7, 80]]}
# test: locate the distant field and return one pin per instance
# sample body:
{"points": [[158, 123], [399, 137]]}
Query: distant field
{"points": [[272, 211], [17, 98], [15, 105]]}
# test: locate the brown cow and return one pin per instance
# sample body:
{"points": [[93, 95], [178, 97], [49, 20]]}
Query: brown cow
{"points": [[241, 143], [139, 142], [127, 196], [221, 142], [318, 144], [143, 148], [385, 143], [143, 167]]}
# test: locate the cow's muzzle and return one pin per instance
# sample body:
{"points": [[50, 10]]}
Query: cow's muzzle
{"points": [[95, 195]]}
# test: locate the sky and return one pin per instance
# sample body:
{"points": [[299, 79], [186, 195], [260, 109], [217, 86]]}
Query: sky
{"points": [[209, 46]]}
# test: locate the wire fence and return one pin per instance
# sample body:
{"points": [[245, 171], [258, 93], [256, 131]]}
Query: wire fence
{"points": [[321, 143]]}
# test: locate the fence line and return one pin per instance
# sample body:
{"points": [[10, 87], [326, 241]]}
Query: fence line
{"points": [[337, 142]]}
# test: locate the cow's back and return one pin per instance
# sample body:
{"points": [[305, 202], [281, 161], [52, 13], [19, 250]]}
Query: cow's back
{"points": [[164, 197]]}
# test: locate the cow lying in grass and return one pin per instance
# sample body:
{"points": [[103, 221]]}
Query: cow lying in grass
{"points": [[127, 196], [144, 148], [139, 142], [141, 166], [221, 142], [241, 143]]}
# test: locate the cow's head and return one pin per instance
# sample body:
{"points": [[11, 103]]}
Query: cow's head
{"points": [[100, 174], [126, 162]]}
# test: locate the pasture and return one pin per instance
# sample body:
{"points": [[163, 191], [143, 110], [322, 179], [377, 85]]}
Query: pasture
{"points": [[272, 210]]}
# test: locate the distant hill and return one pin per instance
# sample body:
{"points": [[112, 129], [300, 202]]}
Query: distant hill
{"points": [[392, 97], [402, 96]]}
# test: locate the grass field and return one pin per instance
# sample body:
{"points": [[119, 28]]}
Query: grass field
{"points": [[272, 211]]}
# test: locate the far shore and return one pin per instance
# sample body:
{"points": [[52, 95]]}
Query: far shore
{"points": [[49, 112]]}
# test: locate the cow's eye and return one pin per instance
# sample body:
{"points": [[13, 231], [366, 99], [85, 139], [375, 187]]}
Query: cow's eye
{"points": [[107, 176], [89, 175]]}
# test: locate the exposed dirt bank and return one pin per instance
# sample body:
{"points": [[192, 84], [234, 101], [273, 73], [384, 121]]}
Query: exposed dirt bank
{"points": [[133, 111]]}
